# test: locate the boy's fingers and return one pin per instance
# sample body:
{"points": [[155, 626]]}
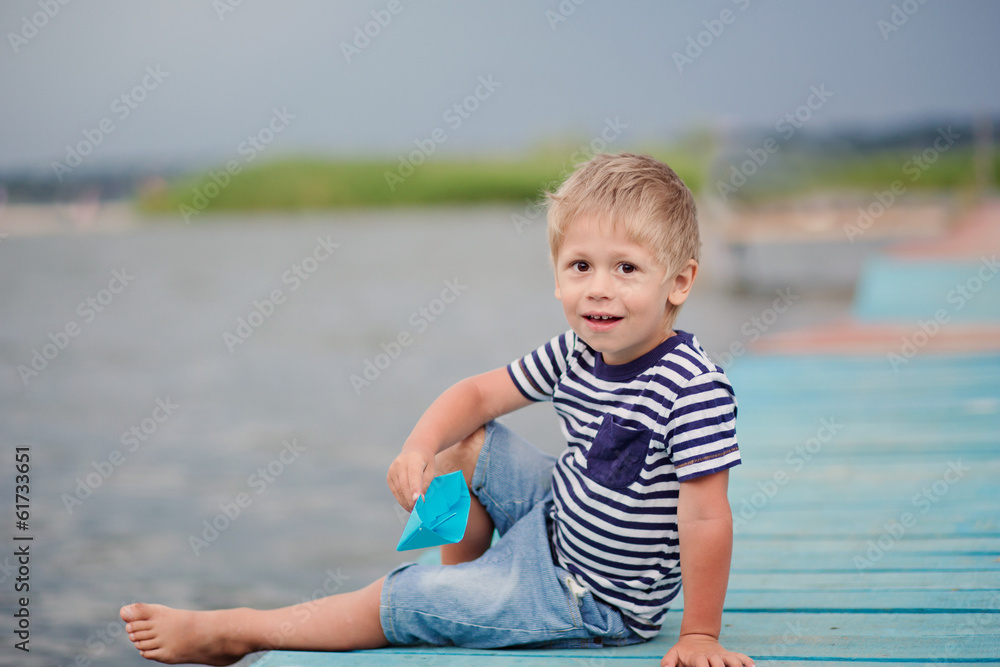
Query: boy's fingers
{"points": [[396, 480], [429, 473], [414, 487], [742, 660], [390, 479], [400, 484]]}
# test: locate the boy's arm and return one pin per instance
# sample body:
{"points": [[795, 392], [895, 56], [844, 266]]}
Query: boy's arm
{"points": [[705, 531], [453, 416]]}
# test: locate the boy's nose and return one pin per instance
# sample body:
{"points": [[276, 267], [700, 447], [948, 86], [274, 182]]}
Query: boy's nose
{"points": [[599, 286]]}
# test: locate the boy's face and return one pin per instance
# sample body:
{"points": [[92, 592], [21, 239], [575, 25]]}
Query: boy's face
{"points": [[613, 290]]}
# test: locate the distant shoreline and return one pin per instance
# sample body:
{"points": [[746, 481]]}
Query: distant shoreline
{"points": [[89, 217], [805, 220]]}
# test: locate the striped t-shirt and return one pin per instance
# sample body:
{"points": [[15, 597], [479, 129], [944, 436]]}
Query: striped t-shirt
{"points": [[635, 431]]}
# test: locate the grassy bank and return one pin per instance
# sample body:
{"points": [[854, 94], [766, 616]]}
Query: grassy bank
{"points": [[852, 174], [310, 183]]}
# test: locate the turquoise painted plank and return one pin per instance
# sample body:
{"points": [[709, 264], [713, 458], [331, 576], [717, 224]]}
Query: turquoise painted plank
{"points": [[845, 560], [901, 436], [764, 370], [767, 388], [923, 426], [908, 290], [887, 560], [769, 384], [900, 448], [969, 419], [919, 433], [809, 489], [871, 579], [918, 428], [978, 602], [433, 659], [863, 462], [764, 636], [868, 484], [928, 511], [773, 521], [822, 544]]}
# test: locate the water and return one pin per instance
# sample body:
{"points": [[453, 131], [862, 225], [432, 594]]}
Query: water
{"points": [[425, 297]]}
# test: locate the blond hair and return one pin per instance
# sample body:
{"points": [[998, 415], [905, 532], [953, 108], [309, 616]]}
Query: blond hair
{"points": [[640, 193]]}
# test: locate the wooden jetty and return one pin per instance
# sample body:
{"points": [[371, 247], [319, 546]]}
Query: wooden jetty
{"points": [[867, 510]]}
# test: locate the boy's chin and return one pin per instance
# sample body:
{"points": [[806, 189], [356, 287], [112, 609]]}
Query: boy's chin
{"points": [[597, 342], [588, 337]]}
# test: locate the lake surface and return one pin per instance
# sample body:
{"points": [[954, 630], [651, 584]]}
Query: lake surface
{"points": [[201, 426]]}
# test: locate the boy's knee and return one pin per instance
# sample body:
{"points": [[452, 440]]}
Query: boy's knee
{"points": [[463, 455]]}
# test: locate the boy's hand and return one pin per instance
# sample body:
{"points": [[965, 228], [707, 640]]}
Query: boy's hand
{"points": [[702, 651], [409, 476]]}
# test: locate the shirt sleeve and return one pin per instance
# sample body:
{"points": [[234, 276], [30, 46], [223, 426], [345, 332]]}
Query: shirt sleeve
{"points": [[537, 374], [701, 433]]}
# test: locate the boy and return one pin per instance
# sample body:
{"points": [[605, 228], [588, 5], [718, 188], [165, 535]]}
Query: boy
{"points": [[594, 545]]}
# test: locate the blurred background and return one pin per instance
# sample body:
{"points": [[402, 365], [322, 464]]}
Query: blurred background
{"points": [[243, 245]]}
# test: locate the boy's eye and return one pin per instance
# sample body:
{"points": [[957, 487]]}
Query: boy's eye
{"points": [[580, 266], [627, 268]]}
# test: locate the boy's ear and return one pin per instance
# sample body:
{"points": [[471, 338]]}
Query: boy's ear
{"points": [[557, 289], [682, 283]]}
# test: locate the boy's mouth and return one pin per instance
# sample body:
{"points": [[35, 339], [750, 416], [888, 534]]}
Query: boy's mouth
{"points": [[601, 322]]}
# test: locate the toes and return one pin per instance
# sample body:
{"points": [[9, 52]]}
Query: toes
{"points": [[135, 612], [146, 645], [159, 655], [138, 626], [143, 635]]}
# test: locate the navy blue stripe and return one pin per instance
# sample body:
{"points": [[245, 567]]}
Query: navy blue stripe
{"points": [[564, 544], [661, 545], [729, 435], [660, 508], [654, 540], [541, 375], [656, 594], [711, 403], [513, 377], [614, 595]]}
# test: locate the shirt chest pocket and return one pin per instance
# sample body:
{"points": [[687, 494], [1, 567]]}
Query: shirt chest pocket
{"points": [[617, 453]]}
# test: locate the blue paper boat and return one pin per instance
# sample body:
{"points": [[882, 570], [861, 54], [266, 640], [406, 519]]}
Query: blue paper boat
{"points": [[440, 517]]}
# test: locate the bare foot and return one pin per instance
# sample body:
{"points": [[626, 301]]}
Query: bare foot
{"points": [[177, 636]]}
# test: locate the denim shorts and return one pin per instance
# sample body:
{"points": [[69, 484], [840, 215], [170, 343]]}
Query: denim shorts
{"points": [[513, 595]]}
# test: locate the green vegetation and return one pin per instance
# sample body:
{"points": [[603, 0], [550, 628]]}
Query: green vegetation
{"points": [[800, 173], [312, 183], [315, 183]]}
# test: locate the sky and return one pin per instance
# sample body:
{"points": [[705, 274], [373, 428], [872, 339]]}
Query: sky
{"points": [[196, 82]]}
